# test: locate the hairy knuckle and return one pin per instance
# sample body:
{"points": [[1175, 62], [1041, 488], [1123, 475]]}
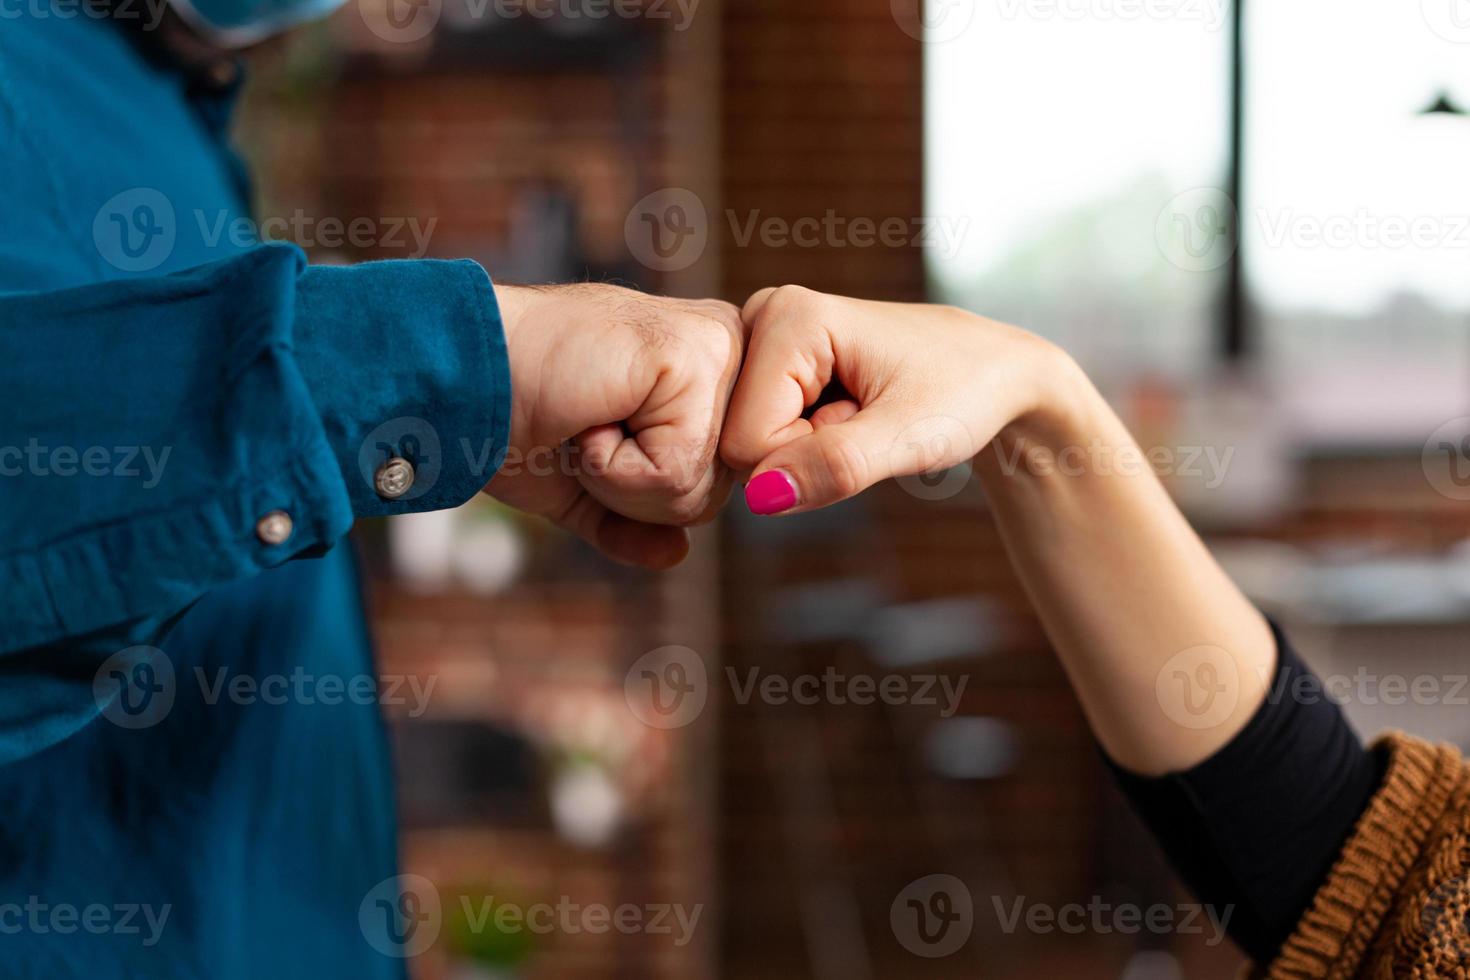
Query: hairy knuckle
{"points": [[723, 336], [727, 314], [734, 330], [689, 329]]}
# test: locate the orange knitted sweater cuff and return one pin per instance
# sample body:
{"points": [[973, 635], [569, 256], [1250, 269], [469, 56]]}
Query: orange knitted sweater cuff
{"points": [[1395, 902]]}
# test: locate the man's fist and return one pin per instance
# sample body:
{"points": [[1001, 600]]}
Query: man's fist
{"points": [[618, 398]]}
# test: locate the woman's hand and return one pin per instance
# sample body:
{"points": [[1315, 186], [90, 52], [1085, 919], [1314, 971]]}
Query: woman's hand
{"points": [[923, 388], [1167, 657]]}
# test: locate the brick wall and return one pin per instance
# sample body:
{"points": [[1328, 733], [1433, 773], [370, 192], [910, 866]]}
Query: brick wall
{"points": [[829, 811], [470, 142], [822, 110]]}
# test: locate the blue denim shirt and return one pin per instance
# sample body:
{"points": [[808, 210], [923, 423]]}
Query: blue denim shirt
{"points": [[164, 387]]}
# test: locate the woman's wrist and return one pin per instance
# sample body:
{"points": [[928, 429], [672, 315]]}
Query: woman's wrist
{"points": [[1061, 413]]}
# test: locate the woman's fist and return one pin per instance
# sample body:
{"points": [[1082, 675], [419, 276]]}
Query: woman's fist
{"points": [[922, 388]]}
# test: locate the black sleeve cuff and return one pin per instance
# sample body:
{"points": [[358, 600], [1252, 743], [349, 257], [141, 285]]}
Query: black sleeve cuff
{"points": [[1256, 827]]}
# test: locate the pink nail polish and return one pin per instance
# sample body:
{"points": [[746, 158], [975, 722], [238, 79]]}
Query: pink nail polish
{"points": [[770, 493]]}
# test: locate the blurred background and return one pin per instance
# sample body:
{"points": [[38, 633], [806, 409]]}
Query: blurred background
{"points": [[1251, 226]]}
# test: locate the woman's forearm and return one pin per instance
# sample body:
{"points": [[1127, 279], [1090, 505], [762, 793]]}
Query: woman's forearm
{"points": [[1251, 801], [1168, 658]]}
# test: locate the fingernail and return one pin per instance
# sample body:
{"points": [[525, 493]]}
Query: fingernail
{"points": [[770, 493]]}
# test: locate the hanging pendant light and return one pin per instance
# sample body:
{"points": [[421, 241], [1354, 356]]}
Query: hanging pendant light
{"points": [[1443, 105]]}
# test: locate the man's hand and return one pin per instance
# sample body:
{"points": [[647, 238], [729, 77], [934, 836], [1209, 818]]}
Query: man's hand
{"points": [[618, 401]]}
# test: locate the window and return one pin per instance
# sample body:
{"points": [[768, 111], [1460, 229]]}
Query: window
{"points": [[1088, 141], [1356, 218], [1060, 131]]}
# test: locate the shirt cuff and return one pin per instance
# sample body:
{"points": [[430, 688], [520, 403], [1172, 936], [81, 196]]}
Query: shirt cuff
{"points": [[407, 363]]}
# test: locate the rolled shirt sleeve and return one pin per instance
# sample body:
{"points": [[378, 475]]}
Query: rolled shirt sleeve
{"points": [[163, 436], [406, 361]]}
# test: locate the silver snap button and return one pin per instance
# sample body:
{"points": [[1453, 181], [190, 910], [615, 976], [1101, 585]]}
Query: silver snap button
{"points": [[274, 528], [394, 478]]}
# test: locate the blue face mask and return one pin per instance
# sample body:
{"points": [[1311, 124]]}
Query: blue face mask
{"points": [[236, 23]]}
